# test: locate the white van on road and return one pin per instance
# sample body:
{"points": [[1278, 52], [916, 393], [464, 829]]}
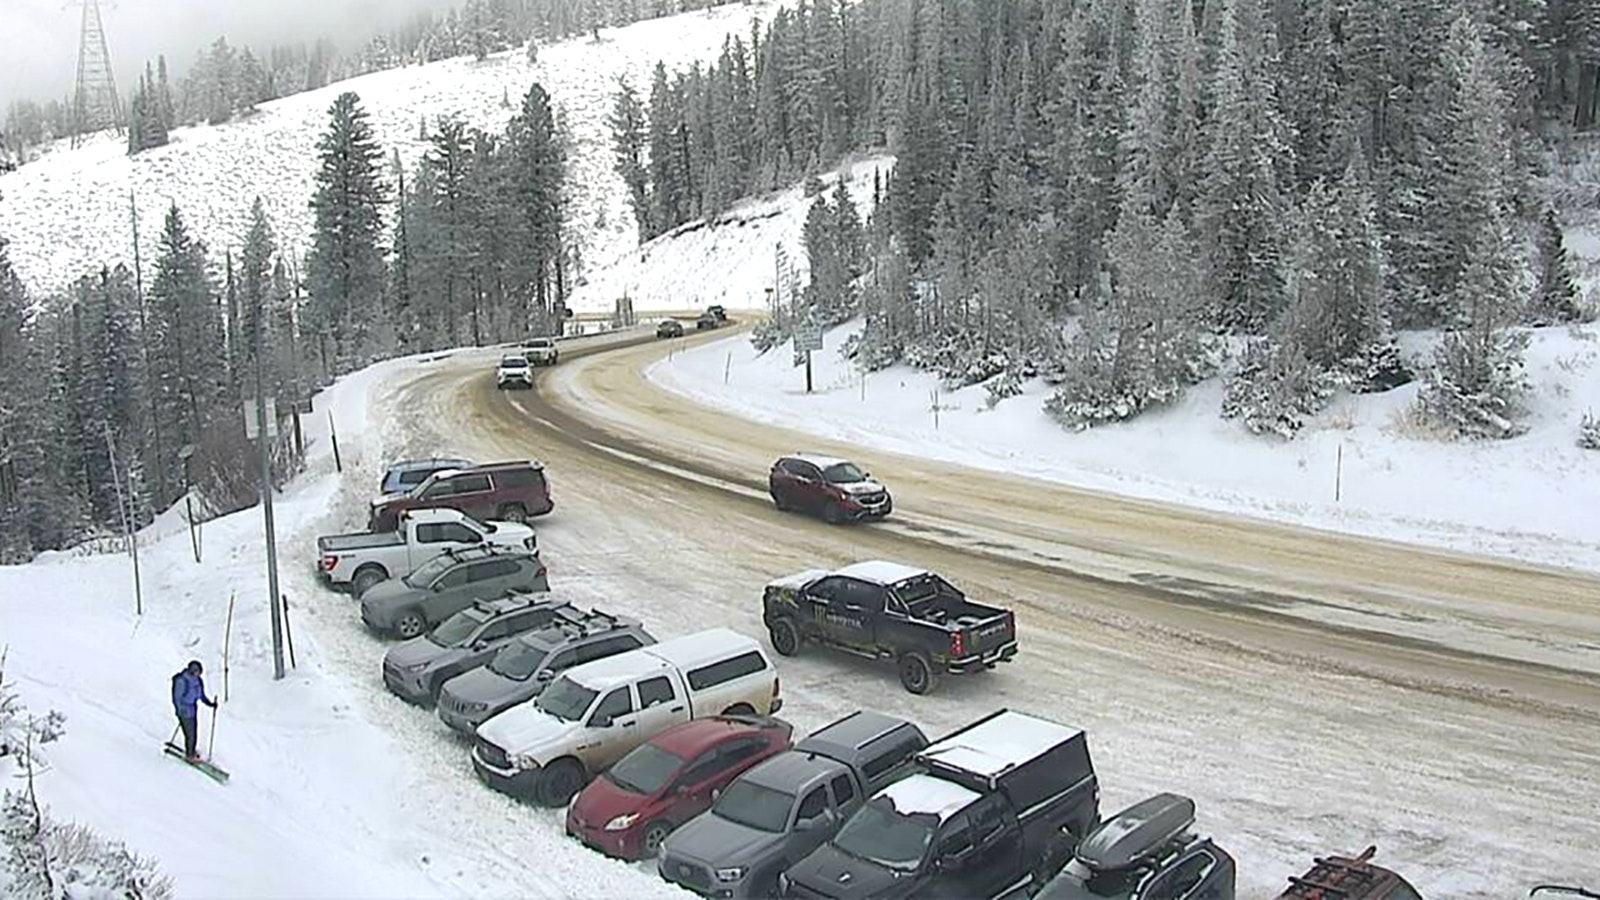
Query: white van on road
{"points": [[593, 714]]}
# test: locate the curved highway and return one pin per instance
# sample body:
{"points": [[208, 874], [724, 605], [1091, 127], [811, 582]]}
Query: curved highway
{"points": [[1313, 692]]}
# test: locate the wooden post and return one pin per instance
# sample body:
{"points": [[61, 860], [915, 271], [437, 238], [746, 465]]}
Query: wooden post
{"points": [[194, 527], [333, 433], [288, 633], [727, 367], [808, 371], [227, 641], [1338, 474]]}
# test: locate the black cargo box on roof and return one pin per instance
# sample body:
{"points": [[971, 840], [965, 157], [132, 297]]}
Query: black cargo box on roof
{"points": [[1025, 757], [1137, 832]]}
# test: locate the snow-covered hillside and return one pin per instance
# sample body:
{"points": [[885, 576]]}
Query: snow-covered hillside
{"points": [[69, 211]]}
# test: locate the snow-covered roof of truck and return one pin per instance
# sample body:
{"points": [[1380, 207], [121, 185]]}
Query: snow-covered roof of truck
{"points": [[999, 744], [927, 795], [881, 572]]}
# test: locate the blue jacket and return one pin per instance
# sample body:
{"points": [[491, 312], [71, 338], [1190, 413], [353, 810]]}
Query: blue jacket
{"points": [[188, 691]]}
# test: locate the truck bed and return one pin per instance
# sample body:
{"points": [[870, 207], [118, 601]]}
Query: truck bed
{"points": [[361, 540]]}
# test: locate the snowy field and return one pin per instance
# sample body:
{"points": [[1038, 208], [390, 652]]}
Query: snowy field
{"points": [[68, 212], [321, 773]]}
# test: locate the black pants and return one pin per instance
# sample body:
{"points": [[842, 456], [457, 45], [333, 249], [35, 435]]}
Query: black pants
{"points": [[190, 727]]}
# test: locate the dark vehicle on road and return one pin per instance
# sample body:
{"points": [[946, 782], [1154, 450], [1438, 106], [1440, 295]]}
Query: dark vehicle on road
{"points": [[836, 489], [523, 668], [707, 320], [783, 809], [408, 473], [992, 810], [631, 808], [718, 310], [508, 491], [1149, 852], [669, 328], [446, 585], [416, 669], [884, 610], [1345, 878]]}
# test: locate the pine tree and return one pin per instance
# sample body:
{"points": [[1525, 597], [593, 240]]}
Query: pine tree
{"points": [[1555, 298], [255, 293], [186, 342], [345, 269], [538, 181], [628, 146]]}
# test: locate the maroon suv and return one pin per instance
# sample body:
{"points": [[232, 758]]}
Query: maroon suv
{"points": [[509, 491], [836, 489]]}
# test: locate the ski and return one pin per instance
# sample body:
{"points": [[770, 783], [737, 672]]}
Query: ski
{"points": [[209, 769]]}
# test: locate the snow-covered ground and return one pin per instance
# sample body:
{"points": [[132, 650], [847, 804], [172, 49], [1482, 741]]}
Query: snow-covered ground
{"points": [[68, 212], [321, 777]]}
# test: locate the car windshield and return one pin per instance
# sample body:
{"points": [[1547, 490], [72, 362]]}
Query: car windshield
{"points": [[514, 362], [843, 473], [454, 631], [428, 571], [539, 343], [414, 477], [518, 661], [878, 834], [646, 770], [567, 700], [754, 806]]}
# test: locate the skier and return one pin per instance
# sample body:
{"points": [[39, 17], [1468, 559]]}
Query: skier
{"points": [[188, 691]]}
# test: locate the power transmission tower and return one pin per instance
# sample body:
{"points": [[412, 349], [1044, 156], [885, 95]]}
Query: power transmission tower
{"points": [[95, 102]]}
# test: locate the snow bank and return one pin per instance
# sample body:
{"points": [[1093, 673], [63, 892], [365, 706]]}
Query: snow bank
{"points": [[1536, 497], [68, 212]]}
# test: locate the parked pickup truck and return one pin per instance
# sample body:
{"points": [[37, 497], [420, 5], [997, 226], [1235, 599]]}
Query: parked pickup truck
{"points": [[363, 559], [994, 809], [888, 611]]}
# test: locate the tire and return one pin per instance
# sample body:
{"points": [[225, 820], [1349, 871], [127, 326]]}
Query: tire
{"points": [[777, 501], [917, 674], [740, 709], [654, 834], [514, 512], [561, 782], [410, 624], [832, 513], [365, 579], [785, 637]]}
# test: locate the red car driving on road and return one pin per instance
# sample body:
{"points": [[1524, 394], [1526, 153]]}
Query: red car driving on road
{"points": [[631, 808], [836, 489]]}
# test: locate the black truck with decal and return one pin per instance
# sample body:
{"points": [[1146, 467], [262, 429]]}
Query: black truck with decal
{"points": [[885, 610]]}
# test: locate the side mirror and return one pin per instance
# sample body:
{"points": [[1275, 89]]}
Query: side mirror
{"points": [[544, 675], [480, 645]]}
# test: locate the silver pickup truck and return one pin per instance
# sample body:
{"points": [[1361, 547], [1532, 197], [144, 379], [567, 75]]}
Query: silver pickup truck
{"points": [[364, 559]]}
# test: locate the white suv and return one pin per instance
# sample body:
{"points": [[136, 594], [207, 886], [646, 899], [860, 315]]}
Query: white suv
{"points": [[593, 714], [513, 372]]}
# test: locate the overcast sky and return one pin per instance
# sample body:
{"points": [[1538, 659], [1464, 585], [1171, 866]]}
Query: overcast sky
{"points": [[39, 38]]}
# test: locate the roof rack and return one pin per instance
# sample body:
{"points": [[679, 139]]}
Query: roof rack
{"points": [[1334, 877]]}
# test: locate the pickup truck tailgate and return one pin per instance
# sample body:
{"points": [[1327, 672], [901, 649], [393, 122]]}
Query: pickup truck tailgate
{"points": [[986, 634]]}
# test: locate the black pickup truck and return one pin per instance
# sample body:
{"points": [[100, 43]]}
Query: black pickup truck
{"points": [[885, 610], [992, 810]]}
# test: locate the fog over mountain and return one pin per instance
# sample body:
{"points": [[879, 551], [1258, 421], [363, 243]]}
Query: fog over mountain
{"points": [[39, 38]]}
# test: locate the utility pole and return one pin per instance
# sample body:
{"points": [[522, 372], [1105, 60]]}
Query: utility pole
{"points": [[262, 436], [126, 504]]}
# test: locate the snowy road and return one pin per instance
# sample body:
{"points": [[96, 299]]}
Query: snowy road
{"points": [[1314, 693]]}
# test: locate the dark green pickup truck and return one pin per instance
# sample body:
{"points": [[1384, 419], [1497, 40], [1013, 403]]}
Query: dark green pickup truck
{"points": [[885, 610]]}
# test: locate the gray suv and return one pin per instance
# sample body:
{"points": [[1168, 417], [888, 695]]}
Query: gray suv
{"points": [[775, 814], [449, 583], [416, 669], [522, 669]]}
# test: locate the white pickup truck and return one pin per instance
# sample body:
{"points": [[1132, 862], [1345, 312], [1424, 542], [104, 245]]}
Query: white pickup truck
{"points": [[364, 559]]}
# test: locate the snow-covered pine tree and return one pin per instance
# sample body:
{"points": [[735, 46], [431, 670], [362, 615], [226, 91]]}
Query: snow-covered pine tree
{"points": [[254, 285], [345, 269], [538, 181], [1277, 387], [1589, 432], [186, 343], [1555, 297], [628, 147], [1240, 210]]}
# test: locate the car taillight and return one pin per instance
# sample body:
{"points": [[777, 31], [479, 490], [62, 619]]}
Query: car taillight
{"points": [[328, 562], [958, 644]]}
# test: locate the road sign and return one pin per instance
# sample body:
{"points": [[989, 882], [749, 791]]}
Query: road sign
{"points": [[250, 413], [807, 338]]}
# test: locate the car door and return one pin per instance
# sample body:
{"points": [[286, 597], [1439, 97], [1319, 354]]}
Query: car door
{"points": [[696, 788], [996, 858], [814, 822], [810, 493], [613, 730], [494, 578], [847, 609], [817, 601], [661, 704], [474, 495], [447, 595]]}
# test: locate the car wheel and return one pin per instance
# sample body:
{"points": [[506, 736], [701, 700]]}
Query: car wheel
{"points": [[916, 673], [777, 501], [365, 580], [785, 637], [410, 624], [561, 782], [514, 512], [650, 843], [833, 513], [740, 709]]}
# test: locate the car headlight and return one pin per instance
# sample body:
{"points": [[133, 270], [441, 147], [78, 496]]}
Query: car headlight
{"points": [[733, 874], [621, 823], [525, 762], [417, 667], [475, 707]]}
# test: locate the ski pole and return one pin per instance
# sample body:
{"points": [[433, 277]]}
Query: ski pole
{"points": [[211, 743]]}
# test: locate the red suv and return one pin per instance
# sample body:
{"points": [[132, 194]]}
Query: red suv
{"points": [[836, 489], [631, 808], [510, 492]]}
